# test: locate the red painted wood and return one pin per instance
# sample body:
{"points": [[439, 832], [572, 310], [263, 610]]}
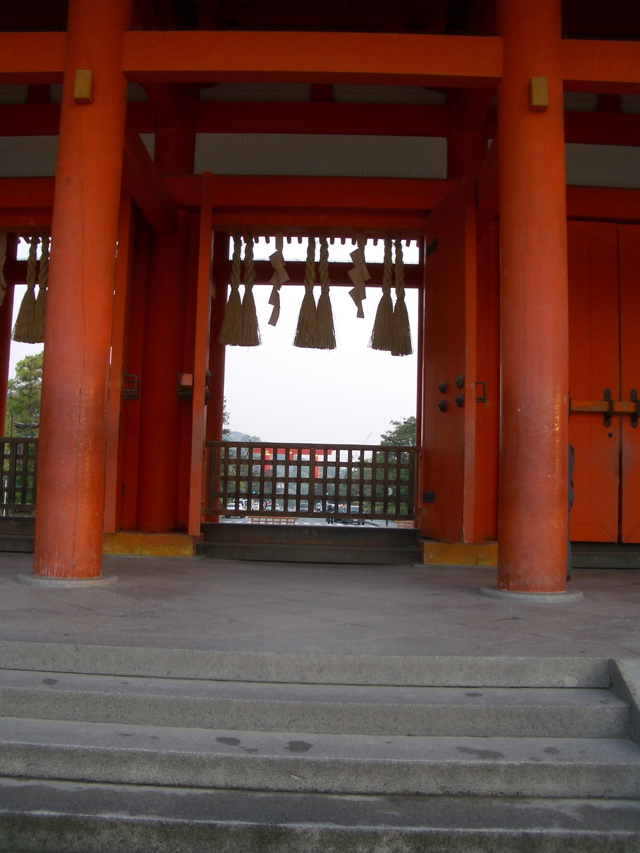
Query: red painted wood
{"points": [[133, 366], [534, 357], [487, 373], [312, 57], [71, 464], [629, 258], [444, 358], [594, 364]]}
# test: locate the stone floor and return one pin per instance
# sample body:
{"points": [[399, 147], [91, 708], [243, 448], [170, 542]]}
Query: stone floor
{"points": [[199, 603]]}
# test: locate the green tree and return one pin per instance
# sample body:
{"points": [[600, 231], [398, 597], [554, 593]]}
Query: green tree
{"points": [[23, 397], [403, 433]]}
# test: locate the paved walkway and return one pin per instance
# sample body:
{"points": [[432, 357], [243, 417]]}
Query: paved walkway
{"points": [[310, 608]]}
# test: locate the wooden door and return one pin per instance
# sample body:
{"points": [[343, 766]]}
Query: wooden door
{"points": [[629, 272], [604, 312], [594, 367]]}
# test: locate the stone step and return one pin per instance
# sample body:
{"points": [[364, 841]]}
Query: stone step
{"points": [[16, 542], [65, 817], [604, 555], [327, 709], [424, 671], [359, 555], [311, 762], [316, 534]]}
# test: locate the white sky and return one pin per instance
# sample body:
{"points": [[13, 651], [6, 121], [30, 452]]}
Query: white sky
{"points": [[279, 392]]}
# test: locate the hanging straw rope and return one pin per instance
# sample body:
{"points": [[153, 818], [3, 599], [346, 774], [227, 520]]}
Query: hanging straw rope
{"points": [[232, 324], [326, 333], [3, 258], [307, 330], [250, 328], [358, 275], [25, 329], [401, 332], [43, 280], [277, 280], [382, 334]]}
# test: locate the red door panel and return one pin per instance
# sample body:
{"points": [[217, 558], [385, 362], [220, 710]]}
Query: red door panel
{"points": [[594, 360], [629, 271]]}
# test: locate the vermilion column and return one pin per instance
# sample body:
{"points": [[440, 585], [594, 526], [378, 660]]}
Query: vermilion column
{"points": [[534, 303], [70, 495], [158, 483]]}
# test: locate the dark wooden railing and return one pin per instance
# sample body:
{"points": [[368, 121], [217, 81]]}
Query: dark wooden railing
{"points": [[19, 470], [341, 481]]}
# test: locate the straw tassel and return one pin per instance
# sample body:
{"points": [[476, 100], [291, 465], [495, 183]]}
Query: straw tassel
{"points": [[326, 334], [25, 328], [277, 280], [250, 328], [307, 330], [382, 334], [232, 324], [401, 343], [41, 301]]}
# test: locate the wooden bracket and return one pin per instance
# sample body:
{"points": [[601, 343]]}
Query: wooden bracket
{"points": [[83, 87]]}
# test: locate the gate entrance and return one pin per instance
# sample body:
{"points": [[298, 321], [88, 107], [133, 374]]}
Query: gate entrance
{"points": [[604, 371]]}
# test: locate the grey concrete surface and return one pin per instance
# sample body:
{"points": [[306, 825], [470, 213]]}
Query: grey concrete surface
{"points": [[155, 820], [318, 708], [339, 764], [201, 604]]}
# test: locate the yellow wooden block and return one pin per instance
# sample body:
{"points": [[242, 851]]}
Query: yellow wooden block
{"points": [[460, 553], [487, 554], [539, 93], [148, 544], [83, 87], [449, 553]]}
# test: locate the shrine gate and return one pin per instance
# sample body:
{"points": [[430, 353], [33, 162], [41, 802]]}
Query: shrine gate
{"points": [[504, 136]]}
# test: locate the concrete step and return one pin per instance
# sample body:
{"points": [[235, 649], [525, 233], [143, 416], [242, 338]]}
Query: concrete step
{"points": [[317, 534], [310, 544], [66, 817], [292, 553], [327, 709], [423, 671], [446, 671], [310, 762], [604, 555], [16, 542]]}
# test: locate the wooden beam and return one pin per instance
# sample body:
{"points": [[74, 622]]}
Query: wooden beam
{"points": [[312, 57], [274, 192], [474, 108], [601, 66], [22, 193], [171, 102], [146, 185], [593, 128], [603, 203], [31, 57], [321, 118]]}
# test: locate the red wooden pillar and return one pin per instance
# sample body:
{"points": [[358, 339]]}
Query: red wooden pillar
{"points": [[158, 480], [217, 351], [534, 301], [6, 316], [70, 495]]}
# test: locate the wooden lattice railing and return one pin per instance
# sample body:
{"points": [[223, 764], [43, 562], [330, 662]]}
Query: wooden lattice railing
{"points": [[342, 481], [19, 469]]}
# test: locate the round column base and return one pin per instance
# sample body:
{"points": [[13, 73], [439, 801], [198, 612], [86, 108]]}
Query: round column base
{"points": [[563, 597], [67, 583]]}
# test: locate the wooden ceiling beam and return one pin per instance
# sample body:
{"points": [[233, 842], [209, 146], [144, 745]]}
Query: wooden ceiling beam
{"points": [[601, 66], [31, 58], [312, 57]]}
